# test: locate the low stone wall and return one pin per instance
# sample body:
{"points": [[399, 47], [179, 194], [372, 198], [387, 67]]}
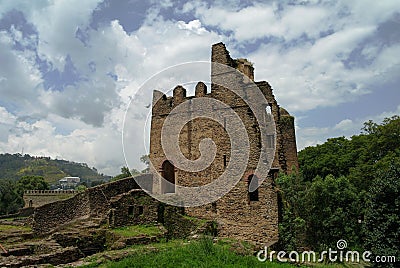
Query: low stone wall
{"points": [[94, 202], [37, 198], [22, 212], [178, 225], [49, 216]]}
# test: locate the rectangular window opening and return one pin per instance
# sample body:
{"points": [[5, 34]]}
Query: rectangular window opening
{"points": [[253, 196], [130, 211], [140, 210], [214, 207]]}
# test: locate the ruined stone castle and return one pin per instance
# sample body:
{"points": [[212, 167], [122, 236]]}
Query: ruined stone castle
{"points": [[241, 214]]}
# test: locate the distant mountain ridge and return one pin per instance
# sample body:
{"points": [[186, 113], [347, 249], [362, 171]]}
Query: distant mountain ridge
{"points": [[14, 166]]}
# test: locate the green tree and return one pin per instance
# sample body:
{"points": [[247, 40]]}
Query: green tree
{"points": [[332, 211], [344, 181], [291, 190], [382, 215], [354, 158], [10, 200], [31, 182]]}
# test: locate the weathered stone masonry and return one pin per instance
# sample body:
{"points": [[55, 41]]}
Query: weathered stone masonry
{"points": [[240, 214], [37, 198], [117, 203], [95, 202]]}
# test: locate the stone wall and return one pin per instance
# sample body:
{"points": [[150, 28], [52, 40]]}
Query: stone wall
{"points": [[237, 215], [37, 198], [133, 207], [52, 215], [286, 123], [100, 196], [94, 202]]}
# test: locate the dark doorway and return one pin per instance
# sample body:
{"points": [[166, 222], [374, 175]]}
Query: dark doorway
{"points": [[160, 212], [253, 180], [168, 173], [130, 211], [140, 210]]}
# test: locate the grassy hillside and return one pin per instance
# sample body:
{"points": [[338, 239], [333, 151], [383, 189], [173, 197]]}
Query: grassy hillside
{"points": [[14, 166]]}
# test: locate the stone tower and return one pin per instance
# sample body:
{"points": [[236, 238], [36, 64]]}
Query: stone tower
{"points": [[245, 215]]}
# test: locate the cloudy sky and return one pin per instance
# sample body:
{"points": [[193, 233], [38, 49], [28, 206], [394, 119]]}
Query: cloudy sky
{"points": [[69, 68]]}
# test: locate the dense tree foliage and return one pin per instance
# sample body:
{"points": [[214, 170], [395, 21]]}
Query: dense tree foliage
{"points": [[346, 189], [10, 199], [382, 213], [11, 192], [31, 183]]}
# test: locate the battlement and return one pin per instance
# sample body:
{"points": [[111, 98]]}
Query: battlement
{"points": [[49, 192], [163, 104], [37, 198]]}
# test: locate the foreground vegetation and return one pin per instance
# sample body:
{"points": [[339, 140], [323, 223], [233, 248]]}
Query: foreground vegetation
{"points": [[201, 253], [346, 189], [135, 230]]}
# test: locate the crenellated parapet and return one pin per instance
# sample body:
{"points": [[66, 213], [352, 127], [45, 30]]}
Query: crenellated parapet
{"points": [[163, 104], [49, 192], [37, 198]]}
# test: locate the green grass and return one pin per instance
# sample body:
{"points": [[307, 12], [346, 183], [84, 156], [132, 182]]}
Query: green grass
{"points": [[6, 227], [180, 253], [202, 253], [135, 230], [193, 219]]}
